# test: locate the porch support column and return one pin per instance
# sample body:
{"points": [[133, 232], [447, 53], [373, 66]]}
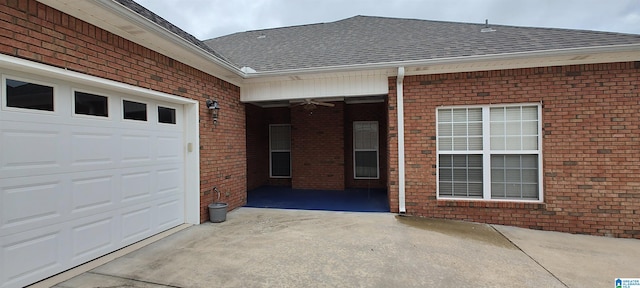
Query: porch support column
{"points": [[401, 169]]}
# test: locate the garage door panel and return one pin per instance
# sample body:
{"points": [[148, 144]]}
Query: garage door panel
{"points": [[91, 194], [31, 254], [136, 185], [29, 147], [169, 181], [93, 236], [30, 202], [136, 224], [169, 148], [136, 148], [93, 149], [169, 213]]}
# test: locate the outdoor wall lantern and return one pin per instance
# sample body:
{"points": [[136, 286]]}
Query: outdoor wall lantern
{"points": [[214, 108]]}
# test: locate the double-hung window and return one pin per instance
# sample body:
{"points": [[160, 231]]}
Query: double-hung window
{"points": [[280, 150], [365, 150], [490, 152]]}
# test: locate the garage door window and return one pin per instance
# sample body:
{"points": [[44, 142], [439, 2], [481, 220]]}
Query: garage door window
{"points": [[166, 115], [91, 104], [27, 95], [134, 110]]}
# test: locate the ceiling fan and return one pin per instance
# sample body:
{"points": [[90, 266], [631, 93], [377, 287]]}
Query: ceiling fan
{"points": [[310, 105]]}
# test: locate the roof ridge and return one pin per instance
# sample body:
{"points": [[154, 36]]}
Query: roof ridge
{"points": [[423, 20], [268, 29], [490, 24]]}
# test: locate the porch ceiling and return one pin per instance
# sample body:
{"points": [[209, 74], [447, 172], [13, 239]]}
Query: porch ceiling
{"points": [[348, 100]]}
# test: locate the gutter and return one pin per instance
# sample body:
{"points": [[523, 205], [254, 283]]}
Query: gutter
{"points": [[401, 169], [455, 60]]}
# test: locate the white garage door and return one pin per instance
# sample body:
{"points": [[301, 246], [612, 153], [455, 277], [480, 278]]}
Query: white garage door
{"points": [[83, 172]]}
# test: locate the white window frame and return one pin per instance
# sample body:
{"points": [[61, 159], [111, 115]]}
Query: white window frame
{"points": [[377, 149], [157, 112], [73, 105], [271, 151], [486, 153], [4, 95], [148, 111]]}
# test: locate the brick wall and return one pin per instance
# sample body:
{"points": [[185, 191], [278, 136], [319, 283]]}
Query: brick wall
{"points": [[258, 121], [317, 134], [36, 32], [317, 143], [591, 145], [257, 147], [366, 112], [392, 146]]}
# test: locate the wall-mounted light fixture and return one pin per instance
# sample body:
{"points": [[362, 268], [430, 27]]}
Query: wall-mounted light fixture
{"points": [[214, 108]]}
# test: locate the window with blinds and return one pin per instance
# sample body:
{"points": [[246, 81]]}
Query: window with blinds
{"points": [[280, 150], [489, 152], [365, 150]]}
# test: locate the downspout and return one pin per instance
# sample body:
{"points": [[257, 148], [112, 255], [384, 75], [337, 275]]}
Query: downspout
{"points": [[400, 111]]}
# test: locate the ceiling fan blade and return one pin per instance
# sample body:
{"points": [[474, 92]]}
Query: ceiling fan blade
{"points": [[324, 104]]}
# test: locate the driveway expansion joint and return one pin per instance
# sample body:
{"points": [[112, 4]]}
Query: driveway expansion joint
{"points": [[133, 280], [530, 257]]}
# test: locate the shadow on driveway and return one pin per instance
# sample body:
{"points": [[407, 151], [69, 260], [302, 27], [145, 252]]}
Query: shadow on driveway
{"points": [[298, 248]]}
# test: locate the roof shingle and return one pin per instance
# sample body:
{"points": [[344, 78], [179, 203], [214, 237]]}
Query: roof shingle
{"points": [[369, 40]]}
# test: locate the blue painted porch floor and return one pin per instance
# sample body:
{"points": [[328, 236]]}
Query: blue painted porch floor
{"points": [[354, 200]]}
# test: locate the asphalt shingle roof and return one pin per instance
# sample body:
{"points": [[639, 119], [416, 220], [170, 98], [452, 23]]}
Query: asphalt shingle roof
{"points": [[367, 40]]}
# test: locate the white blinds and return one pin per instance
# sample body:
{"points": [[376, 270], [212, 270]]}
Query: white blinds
{"points": [[365, 135], [280, 138], [514, 128], [460, 129], [365, 149]]}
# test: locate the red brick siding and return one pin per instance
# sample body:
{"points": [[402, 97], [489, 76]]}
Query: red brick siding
{"points": [[258, 121], [36, 32], [591, 141], [317, 143], [392, 146], [366, 112]]}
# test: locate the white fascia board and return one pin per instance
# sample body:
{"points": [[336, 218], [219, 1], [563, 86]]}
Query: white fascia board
{"points": [[528, 59], [115, 18]]}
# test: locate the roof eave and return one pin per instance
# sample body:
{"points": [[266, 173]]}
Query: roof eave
{"points": [[136, 28], [556, 57]]}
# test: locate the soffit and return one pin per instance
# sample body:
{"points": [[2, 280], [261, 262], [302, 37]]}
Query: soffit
{"points": [[117, 19]]}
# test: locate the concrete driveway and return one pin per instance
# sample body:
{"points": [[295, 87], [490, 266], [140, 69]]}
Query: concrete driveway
{"points": [[296, 248]]}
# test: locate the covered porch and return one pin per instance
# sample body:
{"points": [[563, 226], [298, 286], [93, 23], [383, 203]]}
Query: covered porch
{"points": [[351, 199], [331, 155]]}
